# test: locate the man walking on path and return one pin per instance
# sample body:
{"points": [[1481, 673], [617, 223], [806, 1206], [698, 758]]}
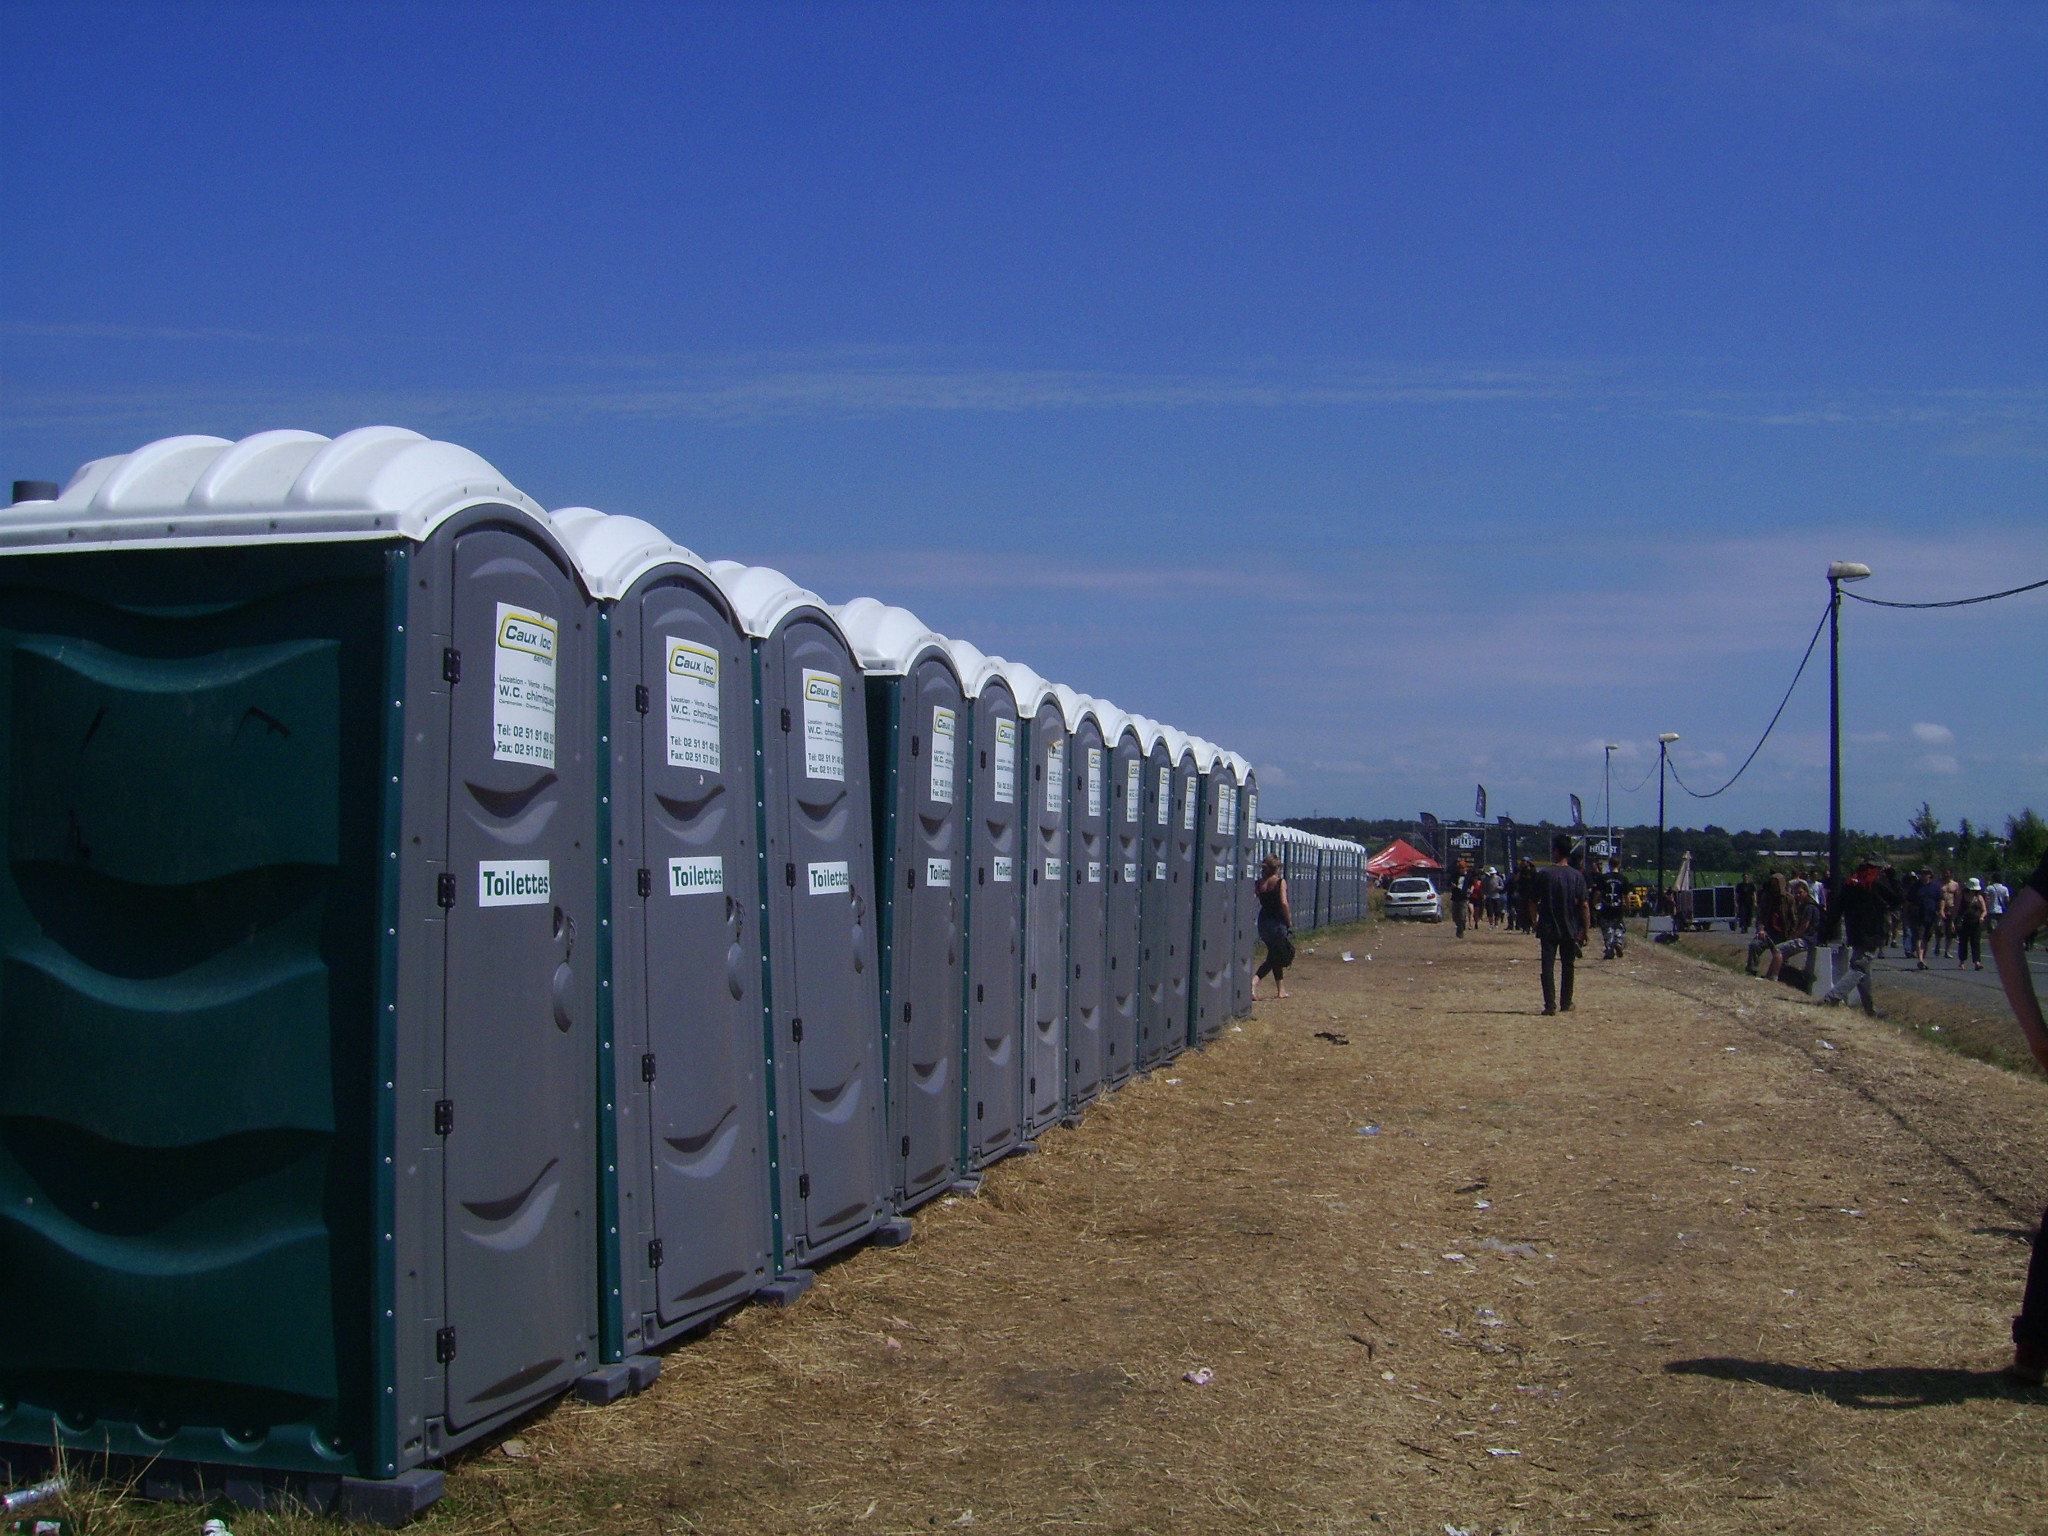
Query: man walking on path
{"points": [[1926, 916], [2027, 913], [1461, 897], [1557, 909], [1611, 890], [1861, 919]]}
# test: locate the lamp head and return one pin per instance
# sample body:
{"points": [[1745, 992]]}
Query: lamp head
{"points": [[1667, 737], [1848, 570], [1614, 746]]}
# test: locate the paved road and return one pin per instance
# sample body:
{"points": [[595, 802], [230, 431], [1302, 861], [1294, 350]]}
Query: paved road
{"points": [[1941, 979]]}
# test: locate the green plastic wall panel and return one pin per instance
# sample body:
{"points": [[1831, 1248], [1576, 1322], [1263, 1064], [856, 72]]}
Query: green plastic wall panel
{"points": [[187, 963]]}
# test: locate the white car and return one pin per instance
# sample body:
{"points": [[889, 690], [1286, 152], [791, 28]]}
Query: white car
{"points": [[1413, 896]]}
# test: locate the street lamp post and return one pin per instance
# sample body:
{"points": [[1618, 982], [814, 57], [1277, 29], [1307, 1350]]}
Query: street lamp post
{"points": [[1607, 786], [1663, 750], [1839, 572]]}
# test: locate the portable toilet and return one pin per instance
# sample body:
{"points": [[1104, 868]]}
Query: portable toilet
{"points": [[1045, 900], [1087, 899], [683, 1135], [1184, 884], [1216, 892], [816, 882], [1122, 905], [1162, 1015], [302, 948], [917, 730], [1246, 932], [993, 1097]]}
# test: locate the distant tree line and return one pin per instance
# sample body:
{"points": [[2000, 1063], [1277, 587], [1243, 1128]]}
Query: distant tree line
{"points": [[1927, 841]]}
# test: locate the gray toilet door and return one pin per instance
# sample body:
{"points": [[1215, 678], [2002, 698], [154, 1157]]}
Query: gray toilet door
{"points": [[520, 1044], [1120, 920], [995, 978], [925, 959], [1088, 855], [822, 939], [700, 946], [1218, 853], [1154, 941], [1045, 923], [1183, 896], [1244, 932]]}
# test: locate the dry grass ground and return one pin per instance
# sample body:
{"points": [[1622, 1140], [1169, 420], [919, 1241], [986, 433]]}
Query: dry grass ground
{"points": [[1669, 1262]]}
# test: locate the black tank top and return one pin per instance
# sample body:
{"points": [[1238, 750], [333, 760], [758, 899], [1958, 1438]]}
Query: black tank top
{"points": [[1269, 901]]}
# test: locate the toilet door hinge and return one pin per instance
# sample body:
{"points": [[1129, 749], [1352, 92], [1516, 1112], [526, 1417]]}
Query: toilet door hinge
{"points": [[647, 1068], [444, 890], [803, 1186], [654, 1254], [789, 876], [451, 670], [645, 881], [785, 720], [444, 1117], [444, 1345], [642, 699]]}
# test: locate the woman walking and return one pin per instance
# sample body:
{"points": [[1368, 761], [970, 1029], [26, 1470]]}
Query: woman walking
{"points": [[1970, 911], [1276, 927]]}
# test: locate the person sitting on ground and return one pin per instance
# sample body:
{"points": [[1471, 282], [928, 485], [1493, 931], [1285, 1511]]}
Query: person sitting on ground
{"points": [[1276, 928], [1770, 921], [1862, 919], [2025, 915], [1800, 918]]}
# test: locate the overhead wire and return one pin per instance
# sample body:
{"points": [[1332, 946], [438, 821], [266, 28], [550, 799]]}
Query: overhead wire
{"points": [[1875, 602], [1776, 715], [1958, 602]]}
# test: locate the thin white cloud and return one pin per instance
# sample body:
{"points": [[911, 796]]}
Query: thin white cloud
{"points": [[741, 392], [1934, 735]]}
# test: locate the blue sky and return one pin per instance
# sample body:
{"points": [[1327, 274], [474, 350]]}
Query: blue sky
{"points": [[1405, 395]]}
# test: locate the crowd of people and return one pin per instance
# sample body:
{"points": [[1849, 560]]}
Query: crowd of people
{"points": [[1922, 911]]}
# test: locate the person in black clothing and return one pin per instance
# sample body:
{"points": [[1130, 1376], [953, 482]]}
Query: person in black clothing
{"points": [[1557, 909], [2026, 916], [1745, 903], [1862, 919], [1461, 897], [1276, 927], [1611, 907]]}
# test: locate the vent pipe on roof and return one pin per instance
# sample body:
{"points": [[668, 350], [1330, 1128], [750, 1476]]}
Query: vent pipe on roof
{"points": [[36, 490]]}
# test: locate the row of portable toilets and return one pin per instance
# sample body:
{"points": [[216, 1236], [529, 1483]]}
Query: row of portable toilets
{"points": [[1327, 880], [452, 948]]}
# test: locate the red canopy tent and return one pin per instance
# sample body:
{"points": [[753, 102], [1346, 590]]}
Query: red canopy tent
{"points": [[1398, 858]]}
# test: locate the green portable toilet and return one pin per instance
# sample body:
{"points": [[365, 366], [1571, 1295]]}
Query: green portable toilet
{"points": [[298, 963]]}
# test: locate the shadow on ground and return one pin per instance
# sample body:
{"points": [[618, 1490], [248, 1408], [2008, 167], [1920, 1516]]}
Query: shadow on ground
{"points": [[1892, 1387]]}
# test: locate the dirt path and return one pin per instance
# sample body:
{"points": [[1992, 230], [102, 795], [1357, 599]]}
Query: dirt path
{"points": [[1666, 1263]]}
